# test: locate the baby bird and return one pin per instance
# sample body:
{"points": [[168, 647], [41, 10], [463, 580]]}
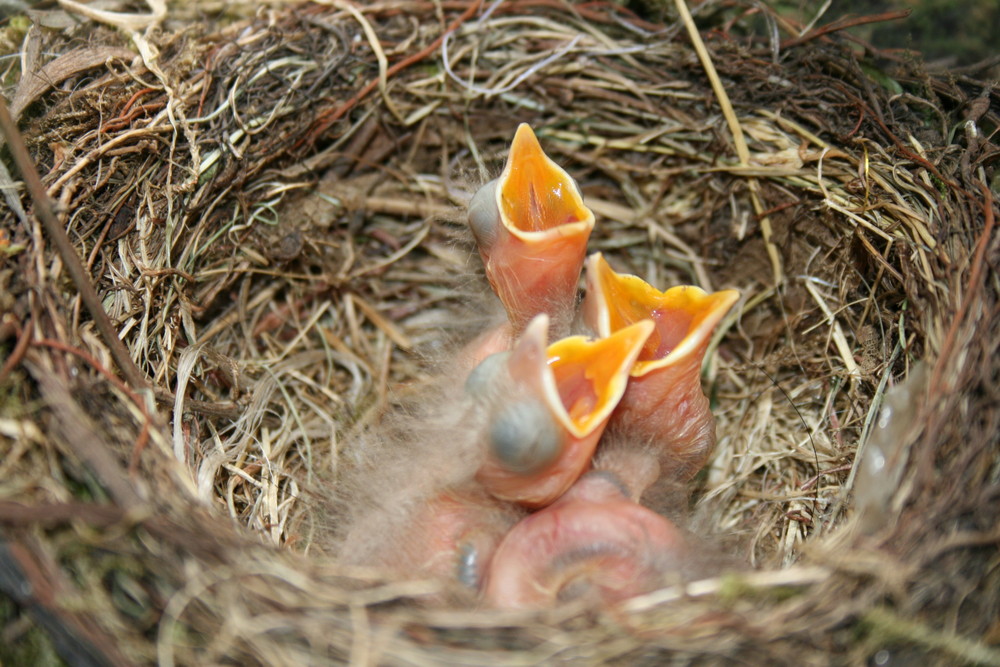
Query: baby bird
{"points": [[664, 404], [593, 541], [446, 478], [532, 227], [521, 434], [547, 406], [407, 498], [451, 536]]}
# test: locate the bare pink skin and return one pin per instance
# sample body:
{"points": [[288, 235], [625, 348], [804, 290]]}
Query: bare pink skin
{"points": [[451, 537], [668, 406], [498, 339], [541, 488], [532, 227], [592, 541], [532, 278]]}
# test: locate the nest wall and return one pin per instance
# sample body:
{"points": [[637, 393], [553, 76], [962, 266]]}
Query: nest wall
{"points": [[271, 211]]}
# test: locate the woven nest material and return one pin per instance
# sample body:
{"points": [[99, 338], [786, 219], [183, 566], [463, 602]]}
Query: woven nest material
{"points": [[271, 212]]}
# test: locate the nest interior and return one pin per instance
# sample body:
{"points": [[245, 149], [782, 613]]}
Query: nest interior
{"points": [[270, 209]]}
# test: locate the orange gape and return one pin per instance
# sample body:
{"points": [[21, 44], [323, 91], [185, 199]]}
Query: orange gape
{"points": [[549, 408], [664, 404], [592, 541], [532, 228]]}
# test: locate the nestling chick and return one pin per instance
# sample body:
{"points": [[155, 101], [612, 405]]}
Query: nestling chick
{"points": [[547, 408], [532, 227], [592, 541], [664, 404]]}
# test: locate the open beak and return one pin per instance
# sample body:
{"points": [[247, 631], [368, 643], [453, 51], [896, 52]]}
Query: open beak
{"points": [[545, 425], [592, 541], [664, 400], [532, 228], [685, 316]]}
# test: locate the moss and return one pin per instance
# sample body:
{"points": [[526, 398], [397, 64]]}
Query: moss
{"points": [[21, 641]]}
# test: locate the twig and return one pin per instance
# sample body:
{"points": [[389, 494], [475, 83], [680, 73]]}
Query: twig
{"points": [[147, 421], [972, 287], [32, 582], [81, 436], [796, 576], [46, 213], [734, 126], [23, 340], [323, 123], [842, 24]]}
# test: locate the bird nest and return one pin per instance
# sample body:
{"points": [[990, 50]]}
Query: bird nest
{"points": [[271, 212]]}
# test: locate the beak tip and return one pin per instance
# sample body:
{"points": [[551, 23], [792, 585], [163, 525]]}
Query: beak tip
{"points": [[537, 331], [525, 146], [524, 132]]}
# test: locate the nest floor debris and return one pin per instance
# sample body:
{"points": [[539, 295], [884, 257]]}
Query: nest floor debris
{"points": [[270, 210]]}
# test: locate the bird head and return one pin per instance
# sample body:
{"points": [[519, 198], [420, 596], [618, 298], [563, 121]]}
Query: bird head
{"points": [[593, 541], [684, 316], [532, 227], [548, 404]]}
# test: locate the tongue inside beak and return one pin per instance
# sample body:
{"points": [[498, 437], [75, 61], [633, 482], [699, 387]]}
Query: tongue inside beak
{"points": [[535, 195], [591, 375], [684, 316]]}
